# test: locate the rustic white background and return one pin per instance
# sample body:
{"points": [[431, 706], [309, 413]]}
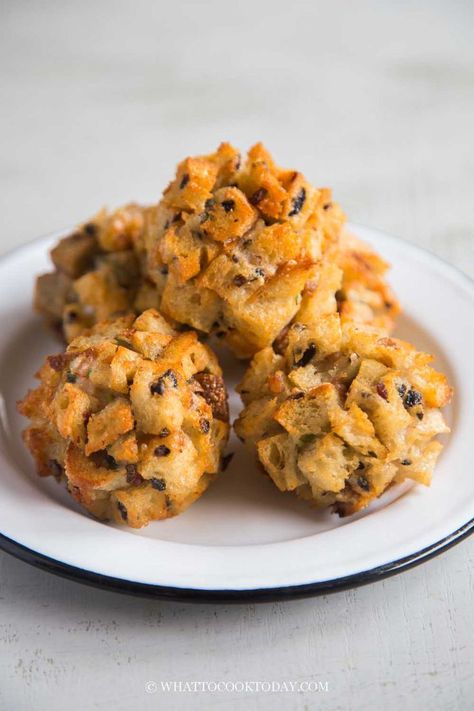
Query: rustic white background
{"points": [[98, 101]]}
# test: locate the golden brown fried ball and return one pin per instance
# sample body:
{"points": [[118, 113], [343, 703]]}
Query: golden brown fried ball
{"points": [[98, 273], [133, 416], [233, 248], [340, 413], [230, 250]]}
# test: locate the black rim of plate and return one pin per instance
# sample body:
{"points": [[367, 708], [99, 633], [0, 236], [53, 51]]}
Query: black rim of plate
{"points": [[164, 592]]}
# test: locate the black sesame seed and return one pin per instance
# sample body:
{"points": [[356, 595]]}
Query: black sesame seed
{"points": [[71, 378], [402, 388], [259, 271], [209, 204], [363, 483], [297, 203], [420, 415], [297, 396], [246, 243], [360, 466], [204, 426], [235, 259], [228, 205], [309, 353], [371, 454], [164, 432], [162, 451], [184, 181], [123, 510], [159, 484], [71, 316], [406, 462], [171, 376], [412, 398], [327, 205], [158, 387]]}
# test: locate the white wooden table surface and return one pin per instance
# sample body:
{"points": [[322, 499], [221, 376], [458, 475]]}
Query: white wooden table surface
{"points": [[98, 101]]}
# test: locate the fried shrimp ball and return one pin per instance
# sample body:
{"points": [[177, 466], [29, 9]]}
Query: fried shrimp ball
{"points": [[98, 273], [339, 414], [233, 248], [133, 416]]}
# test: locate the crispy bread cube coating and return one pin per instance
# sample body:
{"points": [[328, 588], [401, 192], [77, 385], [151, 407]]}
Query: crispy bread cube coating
{"points": [[339, 426], [233, 248], [98, 273], [133, 416], [364, 295], [237, 249], [74, 255]]}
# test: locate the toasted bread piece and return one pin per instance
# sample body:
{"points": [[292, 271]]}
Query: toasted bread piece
{"points": [[97, 273], [364, 295]]}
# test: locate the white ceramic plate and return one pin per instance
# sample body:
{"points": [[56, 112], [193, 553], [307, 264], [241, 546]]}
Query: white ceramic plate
{"points": [[243, 539]]}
